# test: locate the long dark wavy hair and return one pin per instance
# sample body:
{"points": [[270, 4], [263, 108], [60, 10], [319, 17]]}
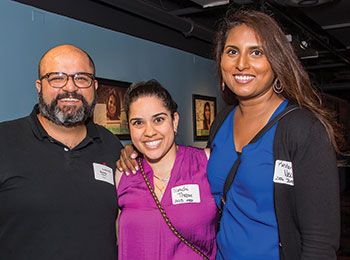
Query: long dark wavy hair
{"points": [[297, 87]]}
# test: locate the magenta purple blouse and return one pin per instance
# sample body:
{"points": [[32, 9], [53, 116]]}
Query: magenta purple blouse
{"points": [[187, 200]]}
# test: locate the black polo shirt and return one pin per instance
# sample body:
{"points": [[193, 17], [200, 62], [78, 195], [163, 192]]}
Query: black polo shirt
{"points": [[56, 202]]}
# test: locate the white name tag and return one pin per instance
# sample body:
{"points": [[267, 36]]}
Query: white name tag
{"points": [[283, 172], [103, 173], [188, 193]]}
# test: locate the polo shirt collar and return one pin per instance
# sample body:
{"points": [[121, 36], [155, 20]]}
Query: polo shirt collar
{"points": [[40, 132]]}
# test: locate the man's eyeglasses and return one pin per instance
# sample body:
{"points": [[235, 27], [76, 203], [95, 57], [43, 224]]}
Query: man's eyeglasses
{"points": [[60, 79]]}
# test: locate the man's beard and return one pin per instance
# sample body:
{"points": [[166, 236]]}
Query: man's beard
{"points": [[68, 116]]}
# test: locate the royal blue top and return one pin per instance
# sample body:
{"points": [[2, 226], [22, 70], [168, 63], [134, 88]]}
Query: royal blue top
{"points": [[248, 227]]}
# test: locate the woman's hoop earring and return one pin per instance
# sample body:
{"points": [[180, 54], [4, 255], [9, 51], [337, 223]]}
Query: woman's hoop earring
{"points": [[277, 86], [222, 86]]}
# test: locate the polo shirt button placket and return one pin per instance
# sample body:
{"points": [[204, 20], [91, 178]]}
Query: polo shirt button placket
{"points": [[66, 149]]}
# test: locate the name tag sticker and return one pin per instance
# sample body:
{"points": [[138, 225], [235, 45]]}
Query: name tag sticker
{"points": [[188, 193], [283, 173], [103, 173]]}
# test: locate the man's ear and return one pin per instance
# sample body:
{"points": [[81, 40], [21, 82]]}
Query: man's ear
{"points": [[95, 84], [38, 85]]}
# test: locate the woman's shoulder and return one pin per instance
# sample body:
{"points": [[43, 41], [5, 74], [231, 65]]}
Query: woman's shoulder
{"points": [[193, 153], [188, 149], [300, 124], [124, 180], [300, 118]]}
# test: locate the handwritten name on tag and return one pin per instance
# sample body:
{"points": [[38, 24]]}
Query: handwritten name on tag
{"points": [[283, 172], [103, 173], [188, 193]]}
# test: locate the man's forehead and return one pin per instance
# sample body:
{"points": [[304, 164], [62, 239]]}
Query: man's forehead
{"points": [[62, 54]]}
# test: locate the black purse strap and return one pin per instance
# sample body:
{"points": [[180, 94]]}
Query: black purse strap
{"points": [[232, 173]]}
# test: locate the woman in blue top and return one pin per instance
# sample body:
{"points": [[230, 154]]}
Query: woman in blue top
{"points": [[261, 74], [284, 199]]}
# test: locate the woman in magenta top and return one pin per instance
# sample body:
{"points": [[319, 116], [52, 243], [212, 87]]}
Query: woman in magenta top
{"points": [[178, 177]]}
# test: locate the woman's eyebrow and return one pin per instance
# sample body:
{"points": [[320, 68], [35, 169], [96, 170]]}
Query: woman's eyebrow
{"points": [[160, 114]]}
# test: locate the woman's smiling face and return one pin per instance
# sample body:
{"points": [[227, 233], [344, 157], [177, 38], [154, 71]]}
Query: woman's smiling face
{"points": [[152, 128], [244, 66]]}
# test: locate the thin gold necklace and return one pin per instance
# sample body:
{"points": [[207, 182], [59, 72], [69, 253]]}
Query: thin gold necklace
{"points": [[162, 179], [161, 190]]}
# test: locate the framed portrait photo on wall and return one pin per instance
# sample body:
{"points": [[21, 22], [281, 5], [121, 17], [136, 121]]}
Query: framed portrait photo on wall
{"points": [[204, 111], [109, 110]]}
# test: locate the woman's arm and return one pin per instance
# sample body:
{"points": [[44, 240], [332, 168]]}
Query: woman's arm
{"points": [[117, 177], [207, 152], [317, 194], [127, 162]]}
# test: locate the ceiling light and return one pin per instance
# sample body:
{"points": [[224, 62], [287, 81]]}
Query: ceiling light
{"points": [[303, 44], [289, 37], [211, 3]]}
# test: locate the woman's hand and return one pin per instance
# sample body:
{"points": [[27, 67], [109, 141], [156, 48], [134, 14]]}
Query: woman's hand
{"points": [[127, 162]]}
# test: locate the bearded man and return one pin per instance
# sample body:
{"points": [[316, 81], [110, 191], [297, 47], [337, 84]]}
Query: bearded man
{"points": [[57, 193]]}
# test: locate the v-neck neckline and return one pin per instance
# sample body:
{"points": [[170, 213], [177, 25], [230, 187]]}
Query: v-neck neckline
{"points": [[174, 172], [279, 108]]}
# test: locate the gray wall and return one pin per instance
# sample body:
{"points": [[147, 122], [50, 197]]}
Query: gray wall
{"points": [[27, 32]]}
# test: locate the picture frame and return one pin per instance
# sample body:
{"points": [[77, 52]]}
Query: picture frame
{"points": [[109, 110], [204, 112]]}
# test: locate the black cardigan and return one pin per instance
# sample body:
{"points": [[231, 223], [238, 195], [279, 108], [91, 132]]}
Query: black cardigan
{"points": [[308, 213]]}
